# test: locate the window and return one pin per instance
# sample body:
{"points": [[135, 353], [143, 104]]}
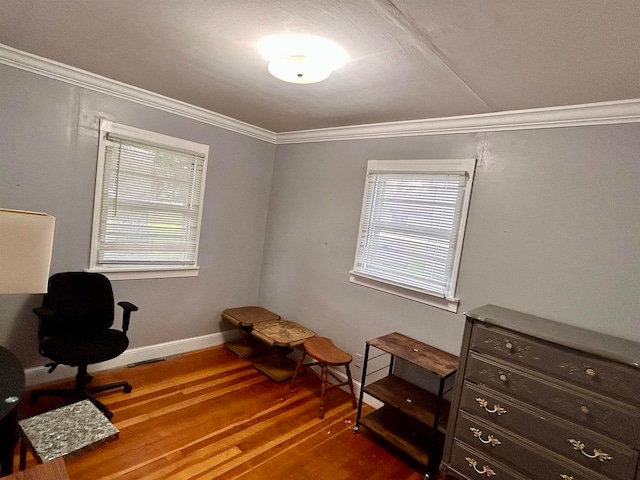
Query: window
{"points": [[412, 226], [148, 204]]}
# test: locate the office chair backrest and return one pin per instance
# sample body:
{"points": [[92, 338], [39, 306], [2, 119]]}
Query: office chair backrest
{"points": [[82, 302]]}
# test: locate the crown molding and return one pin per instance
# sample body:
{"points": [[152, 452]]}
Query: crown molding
{"points": [[81, 78], [605, 113]]}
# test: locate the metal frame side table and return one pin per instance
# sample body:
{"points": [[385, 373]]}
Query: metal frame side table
{"points": [[412, 419]]}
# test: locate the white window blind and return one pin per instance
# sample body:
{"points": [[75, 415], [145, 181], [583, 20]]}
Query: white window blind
{"points": [[148, 202], [412, 225]]}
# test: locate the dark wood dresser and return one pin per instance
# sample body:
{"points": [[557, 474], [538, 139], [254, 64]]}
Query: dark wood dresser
{"points": [[537, 399]]}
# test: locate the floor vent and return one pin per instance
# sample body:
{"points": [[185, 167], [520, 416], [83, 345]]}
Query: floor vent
{"points": [[144, 362]]}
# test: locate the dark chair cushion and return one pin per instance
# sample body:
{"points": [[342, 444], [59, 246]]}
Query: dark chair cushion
{"points": [[82, 303], [85, 349]]}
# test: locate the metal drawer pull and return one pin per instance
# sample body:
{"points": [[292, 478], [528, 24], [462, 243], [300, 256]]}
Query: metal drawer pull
{"points": [[591, 372], [597, 453], [497, 409], [503, 378], [566, 477], [485, 468], [508, 346], [490, 439]]}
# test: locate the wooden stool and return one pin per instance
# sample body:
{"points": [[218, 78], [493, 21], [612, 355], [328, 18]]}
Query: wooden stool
{"points": [[326, 354], [245, 318]]}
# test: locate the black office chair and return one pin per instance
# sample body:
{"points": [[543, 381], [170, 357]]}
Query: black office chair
{"points": [[75, 329]]}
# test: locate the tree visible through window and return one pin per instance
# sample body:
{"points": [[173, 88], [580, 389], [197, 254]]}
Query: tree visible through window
{"points": [[148, 203], [412, 226]]}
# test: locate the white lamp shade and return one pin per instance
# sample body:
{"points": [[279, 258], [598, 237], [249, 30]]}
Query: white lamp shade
{"points": [[26, 242]]}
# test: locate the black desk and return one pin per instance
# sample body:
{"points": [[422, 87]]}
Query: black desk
{"points": [[12, 384]]}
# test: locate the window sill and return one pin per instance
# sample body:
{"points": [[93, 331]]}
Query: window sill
{"points": [[145, 272], [448, 304]]}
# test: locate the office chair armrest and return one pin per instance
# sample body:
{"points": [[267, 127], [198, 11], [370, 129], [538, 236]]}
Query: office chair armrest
{"points": [[44, 315], [127, 308]]}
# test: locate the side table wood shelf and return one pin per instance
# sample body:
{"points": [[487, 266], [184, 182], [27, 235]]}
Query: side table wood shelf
{"points": [[412, 419]]}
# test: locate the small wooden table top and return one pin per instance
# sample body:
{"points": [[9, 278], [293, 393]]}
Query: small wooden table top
{"points": [[281, 333], [283, 336], [248, 316]]}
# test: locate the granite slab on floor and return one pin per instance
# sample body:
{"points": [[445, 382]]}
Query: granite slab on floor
{"points": [[67, 431]]}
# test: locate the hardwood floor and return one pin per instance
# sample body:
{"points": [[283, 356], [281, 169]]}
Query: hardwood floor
{"points": [[211, 415]]}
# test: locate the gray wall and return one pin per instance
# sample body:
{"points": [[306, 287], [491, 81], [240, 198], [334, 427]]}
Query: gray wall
{"points": [[554, 223], [553, 230], [48, 155]]}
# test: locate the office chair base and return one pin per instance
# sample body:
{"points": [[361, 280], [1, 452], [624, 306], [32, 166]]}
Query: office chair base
{"points": [[76, 396], [83, 392]]}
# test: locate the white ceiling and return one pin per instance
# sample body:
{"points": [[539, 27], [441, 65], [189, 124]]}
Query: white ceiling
{"points": [[410, 59]]}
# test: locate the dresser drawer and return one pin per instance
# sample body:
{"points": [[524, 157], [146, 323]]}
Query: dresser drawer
{"points": [[613, 380], [609, 417], [473, 464], [514, 451], [550, 431], [527, 456]]}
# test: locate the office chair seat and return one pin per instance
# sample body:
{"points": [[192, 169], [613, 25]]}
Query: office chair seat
{"points": [[92, 348]]}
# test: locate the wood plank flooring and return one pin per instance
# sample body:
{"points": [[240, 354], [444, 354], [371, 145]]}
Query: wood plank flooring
{"points": [[211, 415]]}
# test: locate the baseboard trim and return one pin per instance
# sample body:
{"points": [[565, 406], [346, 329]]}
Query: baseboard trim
{"points": [[357, 386], [40, 375]]}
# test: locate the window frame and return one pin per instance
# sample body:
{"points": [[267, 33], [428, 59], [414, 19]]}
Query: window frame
{"points": [[133, 134], [447, 301]]}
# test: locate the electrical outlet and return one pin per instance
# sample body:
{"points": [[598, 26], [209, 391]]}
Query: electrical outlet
{"points": [[358, 362]]}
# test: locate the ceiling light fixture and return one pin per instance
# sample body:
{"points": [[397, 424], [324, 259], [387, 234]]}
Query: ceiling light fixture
{"points": [[301, 58]]}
